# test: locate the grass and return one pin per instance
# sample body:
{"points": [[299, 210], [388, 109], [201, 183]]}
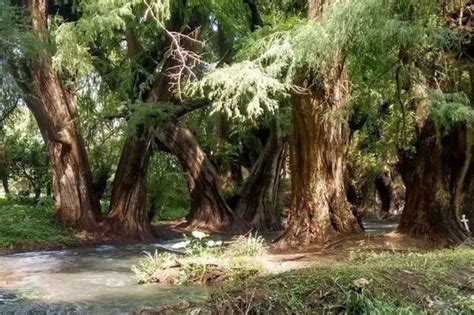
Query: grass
{"points": [[203, 261], [430, 283], [26, 225]]}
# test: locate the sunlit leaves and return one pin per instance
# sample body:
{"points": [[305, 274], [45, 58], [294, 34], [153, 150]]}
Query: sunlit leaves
{"points": [[242, 91]]}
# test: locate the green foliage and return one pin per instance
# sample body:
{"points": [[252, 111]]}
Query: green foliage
{"points": [[244, 83], [450, 109], [30, 225], [200, 245], [26, 158], [168, 196], [357, 33]]}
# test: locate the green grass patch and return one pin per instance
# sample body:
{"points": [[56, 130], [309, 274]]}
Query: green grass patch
{"points": [[170, 214], [431, 283], [203, 261], [25, 224]]}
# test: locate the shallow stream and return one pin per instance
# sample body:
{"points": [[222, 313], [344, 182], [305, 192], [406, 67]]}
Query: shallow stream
{"points": [[83, 281]]}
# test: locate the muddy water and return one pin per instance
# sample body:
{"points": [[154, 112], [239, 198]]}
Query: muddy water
{"points": [[83, 281]]}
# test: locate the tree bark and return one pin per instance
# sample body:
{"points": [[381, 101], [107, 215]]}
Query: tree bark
{"points": [[319, 211], [209, 209], [391, 191], [128, 216], [435, 179], [258, 202], [54, 108]]}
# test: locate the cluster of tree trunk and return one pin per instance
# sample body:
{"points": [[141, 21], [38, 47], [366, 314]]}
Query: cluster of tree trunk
{"points": [[438, 177]]}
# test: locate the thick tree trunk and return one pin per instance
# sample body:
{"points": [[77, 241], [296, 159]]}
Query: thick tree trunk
{"points": [[54, 108], [319, 209], [209, 209], [435, 179], [258, 203], [128, 216]]}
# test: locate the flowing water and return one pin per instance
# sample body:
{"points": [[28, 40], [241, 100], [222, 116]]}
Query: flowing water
{"points": [[83, 281], [95, 280]]}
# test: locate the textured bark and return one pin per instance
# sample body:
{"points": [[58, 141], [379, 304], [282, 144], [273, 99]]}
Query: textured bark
{"points": [[315, 8], [54, 108], [468, 201], [319, 209], [258, 202], [128, 216], [209, 209], [435, 179], [391, 192]]}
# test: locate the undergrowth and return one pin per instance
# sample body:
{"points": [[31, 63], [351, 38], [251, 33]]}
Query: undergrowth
{"points": [[25, 224]]}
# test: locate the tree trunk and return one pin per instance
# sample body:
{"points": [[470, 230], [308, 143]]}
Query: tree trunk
{"points": [[258, 203], [391, 191], [54, 108], [128, 216], [209, 209], [435, 179], [48, 189], [6, 187], [37, 191], [468, 201], [319, 209]]}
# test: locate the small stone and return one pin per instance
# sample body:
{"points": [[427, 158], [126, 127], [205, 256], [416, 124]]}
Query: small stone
{"points": [[361, 283]]}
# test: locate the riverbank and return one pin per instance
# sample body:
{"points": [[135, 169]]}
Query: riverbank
{"points": [[437, 282], [29, 226]]}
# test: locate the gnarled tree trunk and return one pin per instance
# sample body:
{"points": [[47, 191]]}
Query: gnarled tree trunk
{"points": [[258, 202], [54, 108], [391, 192], [209, 209], [319, 209], [435, 179], [128, 216]]}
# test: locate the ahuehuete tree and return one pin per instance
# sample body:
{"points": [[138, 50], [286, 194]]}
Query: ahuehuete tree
{"points": [[319, 143], [278, 72], [429, 126], [27, 49], [349, 53], [144, 53]]}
